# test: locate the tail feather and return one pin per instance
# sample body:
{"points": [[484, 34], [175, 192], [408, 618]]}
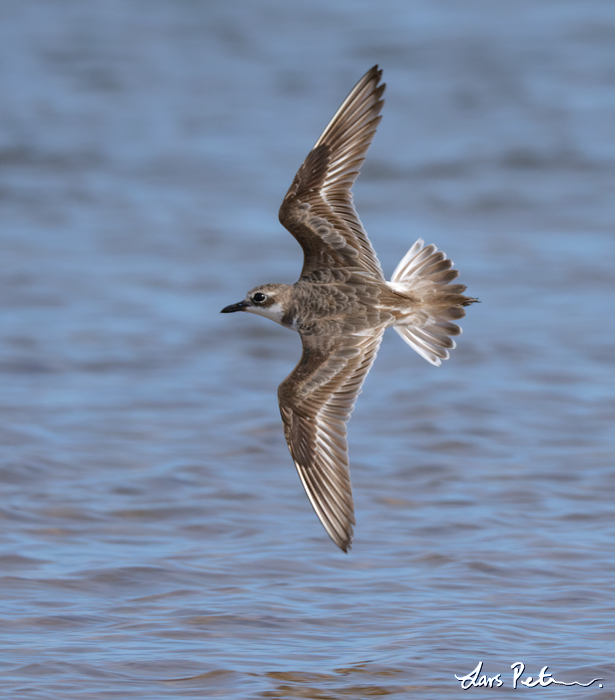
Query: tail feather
{"points": [[424, 275], [432, 353]]}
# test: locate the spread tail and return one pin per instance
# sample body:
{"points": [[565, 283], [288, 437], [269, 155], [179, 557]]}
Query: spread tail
{"points": [[424, 276]]}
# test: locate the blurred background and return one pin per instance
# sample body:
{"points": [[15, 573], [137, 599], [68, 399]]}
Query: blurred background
{"points": [[156, 540]]}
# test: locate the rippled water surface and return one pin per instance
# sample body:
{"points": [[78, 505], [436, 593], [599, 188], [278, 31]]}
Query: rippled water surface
{"points": [[156, 541]]}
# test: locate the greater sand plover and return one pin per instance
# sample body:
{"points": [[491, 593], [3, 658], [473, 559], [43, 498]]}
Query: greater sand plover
{"points": [[342, 304]]}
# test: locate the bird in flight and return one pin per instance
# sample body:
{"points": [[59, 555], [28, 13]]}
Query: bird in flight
{"points": [[341, 305]]}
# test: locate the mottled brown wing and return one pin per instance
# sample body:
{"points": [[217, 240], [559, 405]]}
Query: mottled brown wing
{"points": [[318, 208], [316, 401]]}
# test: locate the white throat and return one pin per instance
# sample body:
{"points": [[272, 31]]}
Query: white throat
{"points": [[275, 312]]}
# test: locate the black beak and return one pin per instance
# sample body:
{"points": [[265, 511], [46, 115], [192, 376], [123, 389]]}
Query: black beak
{"points": [[234, 307]]}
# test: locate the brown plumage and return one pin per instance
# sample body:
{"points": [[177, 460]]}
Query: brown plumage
{"points": [[342, 304]]}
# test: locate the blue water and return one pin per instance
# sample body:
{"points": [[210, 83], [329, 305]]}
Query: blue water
{"points": [[156, 540]]}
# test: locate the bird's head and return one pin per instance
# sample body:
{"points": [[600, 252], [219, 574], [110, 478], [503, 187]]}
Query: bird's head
{"points": [[268, 300]]}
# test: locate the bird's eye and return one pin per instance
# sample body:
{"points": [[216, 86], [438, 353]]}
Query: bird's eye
{"points": [[259, 298]]}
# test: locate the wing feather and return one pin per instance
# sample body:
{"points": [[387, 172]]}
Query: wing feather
{"points": [[318, 209], [316, 401]]}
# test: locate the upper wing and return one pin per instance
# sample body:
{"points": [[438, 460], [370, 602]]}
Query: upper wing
{"points": [[318, 208], [316, 401]]}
